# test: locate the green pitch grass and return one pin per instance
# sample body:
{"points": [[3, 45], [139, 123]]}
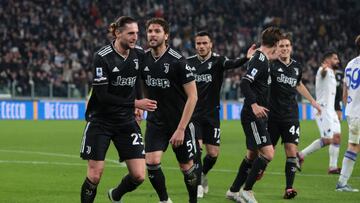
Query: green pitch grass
{"points": [[39, 162]]}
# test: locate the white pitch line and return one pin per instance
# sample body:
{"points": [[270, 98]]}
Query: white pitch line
{"points": [[54, 154], [122, 165], [49, 163]]}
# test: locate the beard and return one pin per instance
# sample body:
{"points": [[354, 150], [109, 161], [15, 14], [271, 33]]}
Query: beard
{"points": [[335, 66], [155, 44], [125, 45]]}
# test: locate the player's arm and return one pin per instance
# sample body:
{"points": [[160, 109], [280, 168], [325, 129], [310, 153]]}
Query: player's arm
{"points": [[305, 93], [345, 87], [344, 96], [189, 86], [323, 72], [245, 85], [191, 92], [236, 63]]}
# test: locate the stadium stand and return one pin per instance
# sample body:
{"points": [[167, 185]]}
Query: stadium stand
{"points": [[46, 46]]}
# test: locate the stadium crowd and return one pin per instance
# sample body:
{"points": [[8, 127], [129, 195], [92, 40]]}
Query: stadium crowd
{"points": [[49, 43]]}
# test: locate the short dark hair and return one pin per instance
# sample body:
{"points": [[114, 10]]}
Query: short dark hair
{"points": [[357, 42], [270, 36], [120, 23], [286, 35], [160, 21], [328, 54], [204, 33]]}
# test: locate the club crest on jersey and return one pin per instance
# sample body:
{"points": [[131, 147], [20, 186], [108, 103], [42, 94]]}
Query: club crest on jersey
{"points": [[166, 66], [209, 65], [99, 72], [136, 61], [296, 71]]}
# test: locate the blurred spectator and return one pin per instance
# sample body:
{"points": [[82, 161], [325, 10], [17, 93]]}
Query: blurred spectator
{"points": [[51, 41]]}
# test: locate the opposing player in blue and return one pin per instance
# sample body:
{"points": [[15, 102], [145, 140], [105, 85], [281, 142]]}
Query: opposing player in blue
{"points": [[351, 97]]}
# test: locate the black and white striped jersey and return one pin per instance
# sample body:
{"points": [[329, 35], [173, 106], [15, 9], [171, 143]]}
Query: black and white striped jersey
{"points": [[258, 75], [284, 80], [113, 86], [209, 75], [164, 78]]}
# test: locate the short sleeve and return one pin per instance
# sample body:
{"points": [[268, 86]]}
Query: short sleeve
{"points": [[100, 71], [184, 71], [299, 70], [256, 67]]}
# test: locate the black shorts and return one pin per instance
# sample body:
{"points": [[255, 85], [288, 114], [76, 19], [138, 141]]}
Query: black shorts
{"points": [[208, 132], [127, 140], [256, 134], [337, 105], [157, 139], [288, 130]]}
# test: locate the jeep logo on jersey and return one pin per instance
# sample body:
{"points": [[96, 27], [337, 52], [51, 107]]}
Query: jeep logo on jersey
{"points": [[157, 82], [166, 65], [136, 61], [209, 65], [203, 78], [287, 80], [99, 72], [120, 81]]}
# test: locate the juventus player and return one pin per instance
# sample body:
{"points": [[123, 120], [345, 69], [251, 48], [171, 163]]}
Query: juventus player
{"points": [[208, 68], [351, 97], [110, 112], [169, 81], [255, 86], [328, 121], [286, 74]]}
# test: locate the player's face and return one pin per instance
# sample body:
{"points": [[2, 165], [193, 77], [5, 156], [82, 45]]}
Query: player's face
{"points": [[334, 61], [156, 35], [128, 36], [273, 53], [284, 48], [203, 45]]}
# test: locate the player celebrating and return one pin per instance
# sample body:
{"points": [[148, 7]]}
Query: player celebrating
{"points": [[351, 97], [286, 74], [110, 112], [328, 121], [169, 80], [255, 86], [209, 68]]}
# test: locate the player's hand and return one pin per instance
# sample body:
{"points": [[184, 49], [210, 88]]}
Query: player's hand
{"points": [[177, 139], [146, 104], [259, 111], [251, 51], [139, 115], [317, 107]]}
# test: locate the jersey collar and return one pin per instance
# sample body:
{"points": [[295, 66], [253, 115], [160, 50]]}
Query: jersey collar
{"points": [[206, 59], [122, 56], [287, 65], [167, 49]]}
